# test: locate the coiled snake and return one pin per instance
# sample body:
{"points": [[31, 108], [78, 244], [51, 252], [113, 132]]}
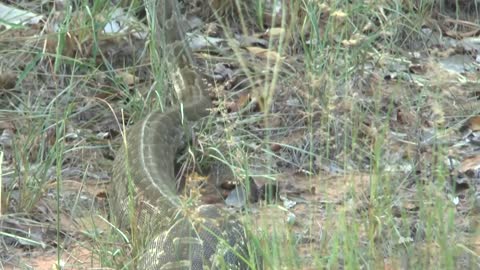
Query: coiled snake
{"points": [[144, 191]]}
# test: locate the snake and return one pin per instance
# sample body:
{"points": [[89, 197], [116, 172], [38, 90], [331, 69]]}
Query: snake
{"points": [[144, 199]]}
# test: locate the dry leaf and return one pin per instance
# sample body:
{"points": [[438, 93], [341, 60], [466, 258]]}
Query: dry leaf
{"points": [[417, 69], [13, 16], [354, 41], [240, 103], [263, 53], [128, 78], [252, 41], [369, 27], [470, 166], [274, 32], [7, 80], [473, 123]]}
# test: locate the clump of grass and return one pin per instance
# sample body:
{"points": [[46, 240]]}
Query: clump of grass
{"points": [[355, 136]]}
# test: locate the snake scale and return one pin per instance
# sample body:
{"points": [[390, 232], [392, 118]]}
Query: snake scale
{"points": [[144, 195]]}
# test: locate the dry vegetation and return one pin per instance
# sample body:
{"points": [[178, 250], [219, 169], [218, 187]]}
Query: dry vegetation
{"points": [[362, 115]]}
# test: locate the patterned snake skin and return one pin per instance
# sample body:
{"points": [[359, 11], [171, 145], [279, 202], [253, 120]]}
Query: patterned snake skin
{"points": [[144, 195]]}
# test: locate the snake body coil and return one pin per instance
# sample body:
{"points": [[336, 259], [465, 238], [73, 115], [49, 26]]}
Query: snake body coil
{"points": [[144, 191]]}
